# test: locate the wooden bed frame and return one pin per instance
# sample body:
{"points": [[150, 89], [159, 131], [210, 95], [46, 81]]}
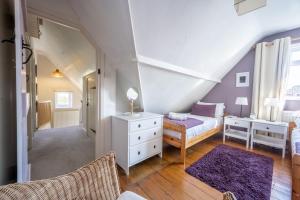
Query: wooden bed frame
{"points": [[182, 143]]}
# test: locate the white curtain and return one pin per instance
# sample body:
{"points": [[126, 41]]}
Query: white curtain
{"points": [[270, 76]]}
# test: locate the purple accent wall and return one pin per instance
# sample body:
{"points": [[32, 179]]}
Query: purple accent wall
{"points": [[227, 92]]}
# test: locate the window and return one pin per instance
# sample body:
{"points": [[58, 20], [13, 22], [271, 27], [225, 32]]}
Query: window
{"points": [[63, 99], [293, 87]]}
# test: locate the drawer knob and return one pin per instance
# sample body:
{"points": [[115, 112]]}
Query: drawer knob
{"points": [[236, 123], [139, 152], [139, 125], [154, 122], [154, 146], [139, 138], [154, 133], [268, 128]]}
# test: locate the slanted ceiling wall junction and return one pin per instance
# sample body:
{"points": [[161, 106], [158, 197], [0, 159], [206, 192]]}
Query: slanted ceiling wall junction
{"points": [[191, 45]]}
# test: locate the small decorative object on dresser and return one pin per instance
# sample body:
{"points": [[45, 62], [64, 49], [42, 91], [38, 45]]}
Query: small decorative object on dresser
{"points": [[136, 138], [243, 123], [280, 128]]}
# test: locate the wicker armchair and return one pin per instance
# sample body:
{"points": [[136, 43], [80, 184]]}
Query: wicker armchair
{"points": [[97, 180]]}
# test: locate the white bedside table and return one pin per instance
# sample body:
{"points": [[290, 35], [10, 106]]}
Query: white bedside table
{"points": [[243, 123], [280, 128]]}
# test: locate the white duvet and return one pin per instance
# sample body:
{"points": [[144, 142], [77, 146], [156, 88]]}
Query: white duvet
{"points": [[208, 123]]}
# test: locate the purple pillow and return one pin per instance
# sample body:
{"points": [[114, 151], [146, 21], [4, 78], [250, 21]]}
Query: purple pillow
{"points": [[204, 110]]}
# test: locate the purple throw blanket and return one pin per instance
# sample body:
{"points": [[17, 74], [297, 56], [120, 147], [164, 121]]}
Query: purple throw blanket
{"points": [[189, 123]]}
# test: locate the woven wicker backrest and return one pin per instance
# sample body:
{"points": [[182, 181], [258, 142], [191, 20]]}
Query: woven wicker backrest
{"points": [[97, 180]]}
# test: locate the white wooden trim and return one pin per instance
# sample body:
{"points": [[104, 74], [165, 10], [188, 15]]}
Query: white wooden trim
{"points": [[54, 18], [22, 156], [174, 68]]}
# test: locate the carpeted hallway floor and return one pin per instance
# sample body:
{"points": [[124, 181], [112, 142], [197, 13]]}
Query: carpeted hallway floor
{"points": [[58, 151]]}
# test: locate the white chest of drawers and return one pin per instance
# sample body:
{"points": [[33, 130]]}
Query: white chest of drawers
{"points": [[136, 138]]}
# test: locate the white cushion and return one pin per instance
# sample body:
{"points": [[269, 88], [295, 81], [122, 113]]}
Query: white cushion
{"points": [[219, 108], [130, 196]]}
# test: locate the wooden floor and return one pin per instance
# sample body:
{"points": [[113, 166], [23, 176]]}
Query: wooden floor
{"points": [[158, 178]]}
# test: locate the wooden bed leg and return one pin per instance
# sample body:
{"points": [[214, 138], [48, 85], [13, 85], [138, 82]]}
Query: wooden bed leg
{"points": [[183, 145], [182, 156]]}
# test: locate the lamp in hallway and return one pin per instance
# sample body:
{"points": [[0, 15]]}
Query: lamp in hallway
{"points": [[242, 101], [272, 103], [57, 74]]}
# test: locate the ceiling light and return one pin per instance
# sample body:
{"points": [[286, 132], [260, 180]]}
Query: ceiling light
{"points": [[245, 6], [57, 74]]}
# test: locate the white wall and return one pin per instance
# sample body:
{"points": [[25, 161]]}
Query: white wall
{"points": [[109, 109], [127, 77], [165, 91], [47, 85]]}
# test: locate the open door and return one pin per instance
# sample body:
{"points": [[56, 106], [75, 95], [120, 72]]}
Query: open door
{"points": [[22, 97], [90, 103]]}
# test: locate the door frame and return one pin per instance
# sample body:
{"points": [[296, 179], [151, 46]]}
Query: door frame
{"points": [[100, 64]]}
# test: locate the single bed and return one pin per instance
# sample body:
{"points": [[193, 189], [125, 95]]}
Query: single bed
{"points": [[180, 136]]}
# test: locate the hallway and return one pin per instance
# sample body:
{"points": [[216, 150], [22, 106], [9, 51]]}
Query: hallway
{"points": [[59, 151]]}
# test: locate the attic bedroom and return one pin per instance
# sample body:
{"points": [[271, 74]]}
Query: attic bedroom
{"points": [[150, 99]]}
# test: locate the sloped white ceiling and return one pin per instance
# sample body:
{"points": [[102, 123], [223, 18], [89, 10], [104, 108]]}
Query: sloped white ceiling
{"points": [[108, 22], [205, 36], [68, 49], [58, 10]]}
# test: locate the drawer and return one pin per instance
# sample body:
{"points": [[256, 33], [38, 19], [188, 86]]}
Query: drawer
{"points": [[238, 123], [145, 124], [144, 136], [142, 151], [269, 128]]}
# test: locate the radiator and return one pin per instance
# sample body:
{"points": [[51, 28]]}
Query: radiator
{"points": [[66, 117]]}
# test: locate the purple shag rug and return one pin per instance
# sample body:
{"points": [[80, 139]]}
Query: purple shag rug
{"points": [[247, 175]]}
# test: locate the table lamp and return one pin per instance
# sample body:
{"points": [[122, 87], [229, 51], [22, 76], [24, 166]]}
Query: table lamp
{"points": [[243, 101], [132, 95], [272, 102]]}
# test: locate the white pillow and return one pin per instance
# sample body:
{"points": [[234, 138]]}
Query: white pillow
{"points": [[127, 195], [219, 108]]}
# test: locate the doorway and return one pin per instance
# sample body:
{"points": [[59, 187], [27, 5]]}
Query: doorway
{"points": [[90, 105], [65, 60]]}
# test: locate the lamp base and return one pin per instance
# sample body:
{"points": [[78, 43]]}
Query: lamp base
{"points": [[132, 114], [241, 111]]}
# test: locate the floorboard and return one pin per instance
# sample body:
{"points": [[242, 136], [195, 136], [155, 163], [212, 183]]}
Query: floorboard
{"points": [[158, 178]]}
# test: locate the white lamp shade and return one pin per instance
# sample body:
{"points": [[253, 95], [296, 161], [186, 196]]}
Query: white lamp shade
{"points": [[132, 94], [241, 101], [271, 102]]}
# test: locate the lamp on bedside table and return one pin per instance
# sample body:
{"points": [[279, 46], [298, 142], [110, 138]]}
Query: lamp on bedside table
{"points": [[243, 101], [273, 103]]}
